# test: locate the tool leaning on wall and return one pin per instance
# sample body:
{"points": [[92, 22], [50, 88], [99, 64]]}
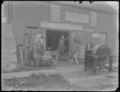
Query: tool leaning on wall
{"points": [[28, 48], [34, 50]]}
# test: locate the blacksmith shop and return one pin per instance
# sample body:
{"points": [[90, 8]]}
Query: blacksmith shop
{"points": [[49, 21]]}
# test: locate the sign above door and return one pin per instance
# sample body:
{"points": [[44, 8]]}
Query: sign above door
{"points": [[61, 26]]}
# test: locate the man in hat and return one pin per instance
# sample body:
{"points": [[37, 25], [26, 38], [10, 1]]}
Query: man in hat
{"points": [[38, 48], [61, 45]]}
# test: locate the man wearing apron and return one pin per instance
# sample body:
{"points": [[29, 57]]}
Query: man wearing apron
{"points": [[38, 50]]}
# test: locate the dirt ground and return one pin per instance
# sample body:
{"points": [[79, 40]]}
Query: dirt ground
{"points": [[78, 79]]}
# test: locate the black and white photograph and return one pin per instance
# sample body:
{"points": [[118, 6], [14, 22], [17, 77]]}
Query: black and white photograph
{"points": [[59, 45]]}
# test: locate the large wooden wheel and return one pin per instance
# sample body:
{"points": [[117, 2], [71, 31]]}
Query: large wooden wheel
{"points": [[103, 56], [98, 58]]}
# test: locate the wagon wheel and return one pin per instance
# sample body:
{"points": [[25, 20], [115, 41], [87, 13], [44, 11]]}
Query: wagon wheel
{"points": [[103, 54]]}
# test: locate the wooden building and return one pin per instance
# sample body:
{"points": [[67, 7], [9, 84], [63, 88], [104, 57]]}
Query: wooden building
{"points": [[53, 19]]}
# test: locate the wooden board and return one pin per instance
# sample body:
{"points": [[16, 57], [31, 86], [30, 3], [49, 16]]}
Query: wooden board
{"points": [[8, 45]]}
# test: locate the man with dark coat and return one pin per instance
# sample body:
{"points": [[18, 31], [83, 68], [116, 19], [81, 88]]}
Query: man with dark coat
{"points": [[61, 46], [88, 50]]}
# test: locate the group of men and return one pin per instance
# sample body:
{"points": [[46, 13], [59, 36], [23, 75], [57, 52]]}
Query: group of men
{"points": [[61, 49], [73, 55]]}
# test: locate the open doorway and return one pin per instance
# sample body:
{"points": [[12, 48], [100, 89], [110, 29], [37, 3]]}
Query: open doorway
{"points": [[53, 37]]}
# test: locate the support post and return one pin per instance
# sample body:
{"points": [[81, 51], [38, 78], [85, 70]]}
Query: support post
{"points": [[110, 64]]}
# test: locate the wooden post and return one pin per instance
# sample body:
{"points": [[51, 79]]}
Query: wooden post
{"points": [[26, 48], [95, 65], [110, 64], [21, 53]]}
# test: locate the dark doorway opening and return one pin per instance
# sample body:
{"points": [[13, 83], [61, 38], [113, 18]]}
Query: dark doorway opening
{"points": [[53, 37]]}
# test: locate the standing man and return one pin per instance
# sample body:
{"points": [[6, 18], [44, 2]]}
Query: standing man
{"points": [[61, 45], [37, 53], [38, 49], [88, 50]]}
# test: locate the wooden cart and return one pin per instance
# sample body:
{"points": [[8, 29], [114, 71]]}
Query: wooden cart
{"points": [[96, 59]]}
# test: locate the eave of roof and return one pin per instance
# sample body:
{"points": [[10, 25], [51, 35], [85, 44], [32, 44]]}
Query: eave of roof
{"points": [[96, 6]]}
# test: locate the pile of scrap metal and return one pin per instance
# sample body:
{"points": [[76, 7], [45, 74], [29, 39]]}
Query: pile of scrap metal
{"points": [[97, 58]]}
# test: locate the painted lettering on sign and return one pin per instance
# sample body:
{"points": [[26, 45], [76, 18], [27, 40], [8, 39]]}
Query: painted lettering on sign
{"points": [[76, 17], [61, 26], [97, 35]]}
